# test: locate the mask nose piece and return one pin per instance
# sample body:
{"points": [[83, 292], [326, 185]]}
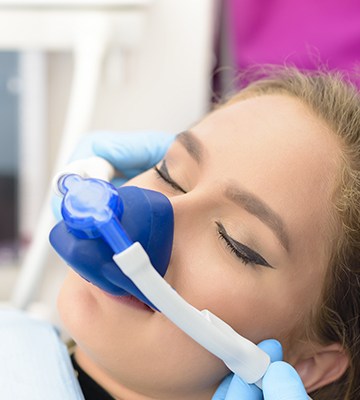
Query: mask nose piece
{"points": [[93, 208], [149, 219]]}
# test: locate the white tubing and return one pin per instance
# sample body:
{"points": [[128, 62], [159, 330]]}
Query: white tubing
{"points": [[240, 355]]}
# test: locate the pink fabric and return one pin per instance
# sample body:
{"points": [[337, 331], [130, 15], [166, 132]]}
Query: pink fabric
{"points": [[306, 33]]}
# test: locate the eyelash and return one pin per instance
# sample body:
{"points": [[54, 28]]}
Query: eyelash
{"points": [[241, 251], [246, 255], [166, 177], [233, 250]]}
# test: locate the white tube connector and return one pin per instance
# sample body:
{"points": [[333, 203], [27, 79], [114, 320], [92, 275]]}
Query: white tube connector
{"points": [[93, 167]]}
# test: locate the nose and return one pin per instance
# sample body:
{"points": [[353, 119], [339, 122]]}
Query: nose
{"points": [[187, 205], [191, 219]]}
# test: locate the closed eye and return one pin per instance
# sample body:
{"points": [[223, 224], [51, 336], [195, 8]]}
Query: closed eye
{"points": [[163, 173], [244, 253]]}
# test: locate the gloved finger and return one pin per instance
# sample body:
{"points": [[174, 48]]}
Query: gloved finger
{"points": [[273, 348], [232, 387], [84, 148], [138, 150], [238, 390], [222, 389], [281, 381]]}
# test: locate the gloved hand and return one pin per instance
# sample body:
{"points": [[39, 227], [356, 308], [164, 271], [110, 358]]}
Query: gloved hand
{"points": [[280, 382], [129, 153]]}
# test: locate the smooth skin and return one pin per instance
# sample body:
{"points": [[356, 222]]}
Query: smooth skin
{"points": [[268, 149]]}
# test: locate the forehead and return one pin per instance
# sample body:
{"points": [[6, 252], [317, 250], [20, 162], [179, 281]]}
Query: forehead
{"points": [[274, 130], [281, 120], [275, 147]]}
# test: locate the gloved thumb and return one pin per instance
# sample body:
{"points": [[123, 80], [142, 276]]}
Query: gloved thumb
{"points": [[234, 388], [273, 348], [281, 382]]}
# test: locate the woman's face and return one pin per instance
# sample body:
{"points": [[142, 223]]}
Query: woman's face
{"points": [[250, 186]]}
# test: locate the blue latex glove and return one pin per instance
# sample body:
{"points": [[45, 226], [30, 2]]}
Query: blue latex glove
{"points": [[280, 382], [130, 153]]}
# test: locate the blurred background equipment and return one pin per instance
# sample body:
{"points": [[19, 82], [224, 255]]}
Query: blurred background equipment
{"points": [[9, 165]]}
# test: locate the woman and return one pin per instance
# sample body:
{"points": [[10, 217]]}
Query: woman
{"points": [[265, 192]]}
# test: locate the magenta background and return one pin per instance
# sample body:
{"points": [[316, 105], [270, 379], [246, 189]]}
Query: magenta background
{"points": [[306, 33]]}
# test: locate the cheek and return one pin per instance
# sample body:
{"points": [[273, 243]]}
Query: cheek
{"points": [[73, 301], [78, 308], [257, 304]]}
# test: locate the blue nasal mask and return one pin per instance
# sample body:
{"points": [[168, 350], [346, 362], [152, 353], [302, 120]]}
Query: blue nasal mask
{"points": [[120, 240], [113, 219]]}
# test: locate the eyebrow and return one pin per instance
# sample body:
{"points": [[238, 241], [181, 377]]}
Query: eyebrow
{"points": [[192, 144], [261, 210], [247, 200]]}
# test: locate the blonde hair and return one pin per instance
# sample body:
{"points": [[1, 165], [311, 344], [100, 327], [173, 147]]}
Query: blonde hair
{"points": [[336, 102]]}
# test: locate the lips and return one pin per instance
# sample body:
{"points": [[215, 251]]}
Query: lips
{"points": [[130, 301]]}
